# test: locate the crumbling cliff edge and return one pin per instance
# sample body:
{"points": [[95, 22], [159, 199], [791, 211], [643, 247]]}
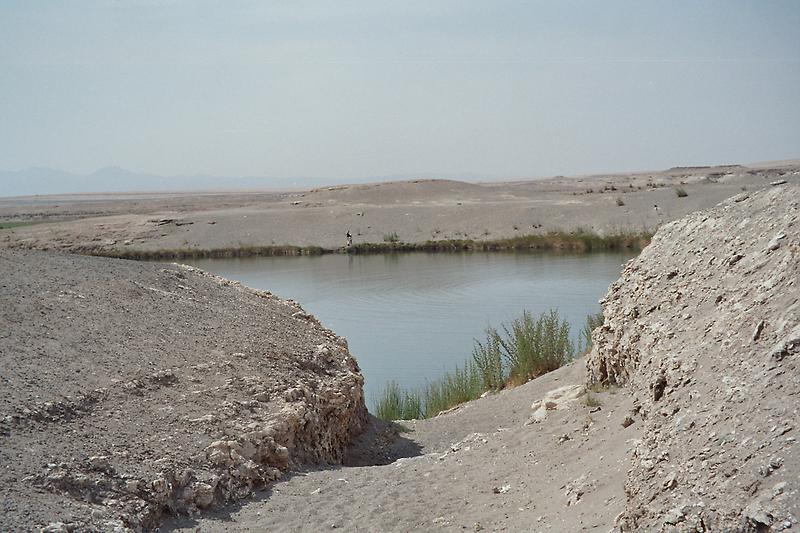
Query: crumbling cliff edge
{"points": [[130, 390], [703, 328]]}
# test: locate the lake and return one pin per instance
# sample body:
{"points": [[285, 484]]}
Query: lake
{"points": [[410, 317]]}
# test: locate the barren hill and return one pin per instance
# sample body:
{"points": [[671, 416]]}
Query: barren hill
{"points": [[129, 390], [704, 330]]}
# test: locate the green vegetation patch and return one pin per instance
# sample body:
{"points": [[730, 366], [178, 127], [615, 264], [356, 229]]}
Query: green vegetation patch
{"points": [[12, 225], [201, 253], [578, 241], [514, 354], [575, 241], [396, 404]]}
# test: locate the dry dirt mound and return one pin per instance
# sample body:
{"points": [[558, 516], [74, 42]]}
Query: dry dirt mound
{"points": [[132, 389], [489, 465], [398, 192], [705, 328]]}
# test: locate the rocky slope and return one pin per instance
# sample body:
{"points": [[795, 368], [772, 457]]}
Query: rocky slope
{"points": [[704, 328], [130, 390], [493, 464]]}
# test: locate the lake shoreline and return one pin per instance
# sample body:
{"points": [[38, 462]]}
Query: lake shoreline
{"points": [[433, 215], [579, 242], [711, 305], [411, 317]]}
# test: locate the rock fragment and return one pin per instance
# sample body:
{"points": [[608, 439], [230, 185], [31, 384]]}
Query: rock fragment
{"points": [[560, 398]]}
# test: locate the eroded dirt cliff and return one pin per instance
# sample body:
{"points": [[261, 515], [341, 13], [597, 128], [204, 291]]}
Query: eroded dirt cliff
{"points": [[132, 390], [704, 330]]}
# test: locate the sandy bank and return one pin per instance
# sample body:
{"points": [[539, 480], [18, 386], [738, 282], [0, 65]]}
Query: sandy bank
{"points": [[484, 466], [416, 211]]}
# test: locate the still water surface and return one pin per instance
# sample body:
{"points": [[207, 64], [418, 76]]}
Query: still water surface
{"points": [[411, 317]]}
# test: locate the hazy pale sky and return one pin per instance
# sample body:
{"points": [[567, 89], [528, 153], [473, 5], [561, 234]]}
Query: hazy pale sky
{"points": [[371, 88]]}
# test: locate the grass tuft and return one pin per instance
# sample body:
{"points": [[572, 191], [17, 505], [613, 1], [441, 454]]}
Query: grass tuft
{"points": [[397, 404], [526, 349], [454, 388]]}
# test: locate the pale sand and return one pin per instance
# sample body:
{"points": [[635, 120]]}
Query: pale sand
{"points": [[503, 475], [480, 466], [417, 211]]}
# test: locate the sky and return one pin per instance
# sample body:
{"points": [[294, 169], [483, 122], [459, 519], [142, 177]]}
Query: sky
{"points": [[353, 89]]}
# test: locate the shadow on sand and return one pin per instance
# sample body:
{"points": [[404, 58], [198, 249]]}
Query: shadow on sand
{"points": [[381, 443]]}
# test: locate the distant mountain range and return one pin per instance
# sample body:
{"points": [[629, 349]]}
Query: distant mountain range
{"points": [[43, 181]]}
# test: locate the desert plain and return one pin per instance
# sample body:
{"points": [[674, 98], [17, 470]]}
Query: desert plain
{"points": [[144, 395]]}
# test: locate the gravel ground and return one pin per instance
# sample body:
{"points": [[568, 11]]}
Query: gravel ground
{"points": [[119, 380], [484, 466], [417, 211]]}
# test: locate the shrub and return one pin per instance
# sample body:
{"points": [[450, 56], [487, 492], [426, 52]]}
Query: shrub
{"points": [[528, 349], [525, 350], [681, 192], [488, 361], [533, 348], [391, 237]]}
